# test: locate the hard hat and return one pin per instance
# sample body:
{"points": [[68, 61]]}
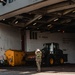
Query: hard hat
{"points": [[38, 50]]}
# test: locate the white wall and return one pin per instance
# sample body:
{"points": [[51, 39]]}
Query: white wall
{"points": [[9, 38], [65, 40]]}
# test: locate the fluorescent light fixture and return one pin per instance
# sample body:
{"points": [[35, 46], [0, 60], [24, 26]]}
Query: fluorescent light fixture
{"points": [[58, 30], [63, 31], [56, 19], [3, 19], [16, 22], [34, 24], [39, 17], [49, 25], [1, 0], [26, 27]]}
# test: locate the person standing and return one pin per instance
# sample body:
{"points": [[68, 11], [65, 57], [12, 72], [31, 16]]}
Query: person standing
{"points": [[38, 55]]}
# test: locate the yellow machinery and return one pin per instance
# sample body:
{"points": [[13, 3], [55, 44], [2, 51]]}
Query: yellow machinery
{"points": [[15, 57]]}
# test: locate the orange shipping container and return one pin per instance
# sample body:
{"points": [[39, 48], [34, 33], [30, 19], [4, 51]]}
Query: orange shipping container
{"points": [[15, 57]]}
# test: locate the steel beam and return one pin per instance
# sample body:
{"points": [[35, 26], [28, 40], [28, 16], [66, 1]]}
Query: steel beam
{"points": [[62, 8], [30, 8]]}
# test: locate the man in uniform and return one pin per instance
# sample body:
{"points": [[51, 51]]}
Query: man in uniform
{"points": [[38, 59]]}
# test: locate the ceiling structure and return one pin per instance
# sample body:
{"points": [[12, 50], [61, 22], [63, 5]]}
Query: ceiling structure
{"points": [[58, 17]]}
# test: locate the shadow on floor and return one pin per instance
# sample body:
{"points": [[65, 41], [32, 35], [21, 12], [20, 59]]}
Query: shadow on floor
{"points": [[29, 70]]}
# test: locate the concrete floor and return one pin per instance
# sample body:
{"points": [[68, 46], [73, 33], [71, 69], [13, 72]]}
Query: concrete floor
{"points": [[31, 70]]}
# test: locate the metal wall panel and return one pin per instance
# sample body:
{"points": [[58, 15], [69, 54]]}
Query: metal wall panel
{"points": [[9, 38], [66, 42], [16, 4]]}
